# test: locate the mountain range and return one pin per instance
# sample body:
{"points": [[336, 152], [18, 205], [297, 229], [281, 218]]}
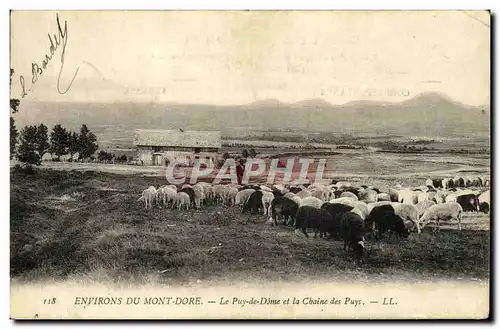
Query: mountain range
{"points": [[427, 114]]}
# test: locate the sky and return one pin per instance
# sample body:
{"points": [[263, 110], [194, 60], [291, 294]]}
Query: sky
{"points": [[238, 57]]}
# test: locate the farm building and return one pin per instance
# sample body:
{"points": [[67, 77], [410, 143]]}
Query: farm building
{"points": [[159, 147]]}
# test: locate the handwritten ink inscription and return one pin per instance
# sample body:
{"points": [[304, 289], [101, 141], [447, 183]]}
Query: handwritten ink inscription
{"points": [[57, 40]]}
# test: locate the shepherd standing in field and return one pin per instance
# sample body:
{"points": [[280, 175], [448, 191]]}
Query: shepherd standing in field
{"points": [[240, 169]]}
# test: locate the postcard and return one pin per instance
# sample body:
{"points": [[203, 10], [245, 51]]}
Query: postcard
{"points": [[169, 164]]}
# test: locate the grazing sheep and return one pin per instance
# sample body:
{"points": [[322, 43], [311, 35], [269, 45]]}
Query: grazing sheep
{"points": [[148, 196], [183, 201], [394, 194], [385, 219], [265, 188], [443, 212], [199, 195], [292, 196], [208, 193], [371, 206], [422, 196], [254, 203], [367, 195], [311, 201], [295, 189], [348, 194], [242, 196], [423, 206], [310, 217], [440, 196], [469, 202], [408, 196], [267, 199], [346, 201], [437, 183], [230, 196], [189, 191], [361, 209], [409, 214], [383, 197], [352, 232], [281, 206], [484, 207], [335, 209], [484, 197], [218, 192], [168, 195], [303, 194]]}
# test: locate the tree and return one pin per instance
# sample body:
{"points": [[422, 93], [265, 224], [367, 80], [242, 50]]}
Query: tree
{"points": [[252, 153], [13, 137], [244, 153], [58, 141], [73, 144], [105, 156], [87, 143], [42, 140], [14, 104], [27, 152]]}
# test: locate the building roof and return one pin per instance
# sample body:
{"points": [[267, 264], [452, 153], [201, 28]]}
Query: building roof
{"points": [[179, 138]]}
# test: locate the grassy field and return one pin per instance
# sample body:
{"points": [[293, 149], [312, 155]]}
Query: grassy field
{"points": [[71, 224]]}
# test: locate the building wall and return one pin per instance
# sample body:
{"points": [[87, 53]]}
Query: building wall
{"points": [[146, 153]]}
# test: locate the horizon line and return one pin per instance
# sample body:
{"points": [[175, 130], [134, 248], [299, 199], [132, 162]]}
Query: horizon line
{"points": [[328, 103]]}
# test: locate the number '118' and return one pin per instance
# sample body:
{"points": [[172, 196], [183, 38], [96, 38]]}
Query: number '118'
{"points": [[50, 301]]}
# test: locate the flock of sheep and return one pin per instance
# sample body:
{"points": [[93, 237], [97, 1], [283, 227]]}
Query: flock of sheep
{"points": [[339, 209]]}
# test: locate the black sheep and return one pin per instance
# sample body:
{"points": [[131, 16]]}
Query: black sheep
{"points": [[469, 202], [254, 203], [311, 217], [352, 232], [189, 191], [436, 182], [484, 207], [284, 207], [385, 219], [295, 189], [333, 226]]}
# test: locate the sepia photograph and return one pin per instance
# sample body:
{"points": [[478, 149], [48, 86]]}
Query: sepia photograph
{"points": [[250, 164]]}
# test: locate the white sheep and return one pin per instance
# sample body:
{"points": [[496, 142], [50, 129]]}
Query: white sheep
{"points": [[230, 196], [219, 191], [484, 197], [408, 196], [182, 201], [408, 213], [345, 201], [303, 194], [443, 212], [265, 188], [267, 199], [440, 196], [360, 208], [423, 206], [367, 195], [243, 196], [348, 194], [148, 196], [311, 201], [383, 197], [168, 195], [429, 182]]}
